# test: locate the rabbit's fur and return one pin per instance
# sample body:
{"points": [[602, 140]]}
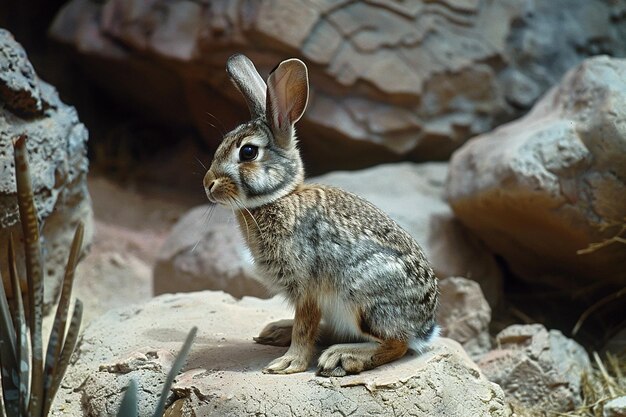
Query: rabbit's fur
{"points": [[337, 258]]}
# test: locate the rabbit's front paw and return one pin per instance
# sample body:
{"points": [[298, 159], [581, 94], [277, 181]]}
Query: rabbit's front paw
{"points": [[288, 364], [277, 333]]}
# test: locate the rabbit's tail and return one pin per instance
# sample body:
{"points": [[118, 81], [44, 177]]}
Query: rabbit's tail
{"points": [[420, 344]]}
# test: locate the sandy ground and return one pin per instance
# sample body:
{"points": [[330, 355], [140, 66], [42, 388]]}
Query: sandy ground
{"points": [[130, 227]]}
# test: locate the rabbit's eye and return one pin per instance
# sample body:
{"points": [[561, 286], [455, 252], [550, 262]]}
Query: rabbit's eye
{"points": [[248, 153]]}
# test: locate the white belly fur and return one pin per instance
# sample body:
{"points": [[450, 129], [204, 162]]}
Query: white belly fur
{"points": [[340, 317]]}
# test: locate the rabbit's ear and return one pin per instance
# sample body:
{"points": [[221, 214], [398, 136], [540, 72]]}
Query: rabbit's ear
{"points": [[248, 81], [287, 95]]}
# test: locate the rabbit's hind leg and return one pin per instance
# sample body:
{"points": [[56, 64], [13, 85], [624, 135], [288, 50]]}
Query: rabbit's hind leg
{"points": [[277, 333], [352, 358]]}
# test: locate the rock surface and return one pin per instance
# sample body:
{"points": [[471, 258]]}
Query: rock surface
{"points": [[464, 314], [538, 368], [615, 407], [389, 79], [541, 188], [206, 251], [57, 153], [222, 376], [410, 193]]}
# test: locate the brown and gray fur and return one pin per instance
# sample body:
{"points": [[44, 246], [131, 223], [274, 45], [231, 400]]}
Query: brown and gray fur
{"points": [[350, 272]]}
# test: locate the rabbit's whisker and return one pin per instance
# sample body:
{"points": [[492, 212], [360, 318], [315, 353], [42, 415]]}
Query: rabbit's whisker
{"points": [[201, 164], [231, 200], [206, 219], [244, 217], [216, 128], [240, 204], [195, 246], [208, 214], [222, 130], [242, 207]]}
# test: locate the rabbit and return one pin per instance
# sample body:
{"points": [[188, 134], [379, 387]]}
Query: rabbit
{"points": [[347, 268]]}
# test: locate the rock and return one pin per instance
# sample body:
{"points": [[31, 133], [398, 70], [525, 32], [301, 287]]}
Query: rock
{"points": [[538, 368], [19, 86], [223, 372], [464, 314], [57, 153], [389, 79], [206, 250], [615, 407], [541, 189], [220, 260]]}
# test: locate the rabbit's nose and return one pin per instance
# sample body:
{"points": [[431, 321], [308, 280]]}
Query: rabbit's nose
{"points": [[209, 185], [209, 181]]}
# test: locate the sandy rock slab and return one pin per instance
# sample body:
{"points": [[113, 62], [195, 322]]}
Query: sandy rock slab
{"points": [[541, 189], [223, 374]]}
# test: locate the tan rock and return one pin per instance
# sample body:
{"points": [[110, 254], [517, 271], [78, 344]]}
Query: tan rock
{"points": [[538, 368], [542, 188], [57, 154], [130, 227], [206, 251], [464, 314], [223, 373], [390, 79]]}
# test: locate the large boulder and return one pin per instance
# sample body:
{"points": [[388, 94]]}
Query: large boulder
{"points": [[223, 372], [389, 79], [537, 368], [57, 153], [206, 250], [542, 189]]}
